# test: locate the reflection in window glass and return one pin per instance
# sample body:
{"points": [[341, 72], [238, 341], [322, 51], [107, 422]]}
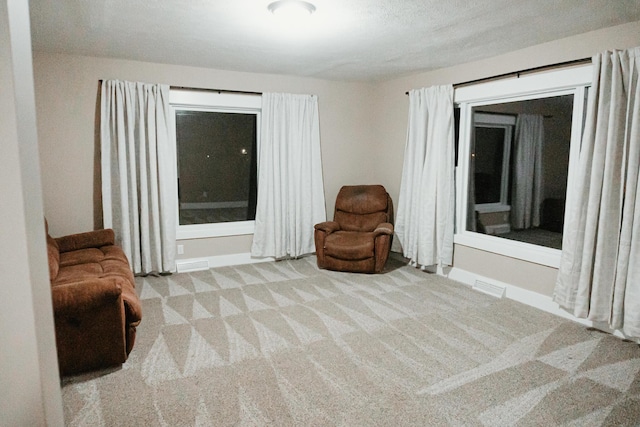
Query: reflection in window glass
{"points": [[489, 153], [534, 175]]}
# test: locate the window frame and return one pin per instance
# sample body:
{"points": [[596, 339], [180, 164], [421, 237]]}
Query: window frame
{"points": [[217, 102], [568, 81]]}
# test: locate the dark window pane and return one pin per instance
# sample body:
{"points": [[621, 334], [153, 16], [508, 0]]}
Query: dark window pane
{"points": [[489, 155], [216, 166]]}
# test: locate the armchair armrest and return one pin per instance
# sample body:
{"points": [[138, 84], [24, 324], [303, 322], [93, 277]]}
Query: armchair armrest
{"points": [[384, 228], [327, 226], [90, 239], [84, 296]]}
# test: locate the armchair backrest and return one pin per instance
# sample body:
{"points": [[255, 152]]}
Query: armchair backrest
{"points": [[362, 207]]}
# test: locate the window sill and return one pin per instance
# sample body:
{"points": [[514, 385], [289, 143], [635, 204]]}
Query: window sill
{"points": [[513, 249], [201, 231]]}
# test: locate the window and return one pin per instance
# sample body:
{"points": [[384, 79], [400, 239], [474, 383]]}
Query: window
{"points": [[499, 184], [216, 139]]}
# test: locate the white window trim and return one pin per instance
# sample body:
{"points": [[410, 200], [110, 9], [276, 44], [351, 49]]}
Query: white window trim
{"points": [[221, 229], [553, 83], [225, 102]]}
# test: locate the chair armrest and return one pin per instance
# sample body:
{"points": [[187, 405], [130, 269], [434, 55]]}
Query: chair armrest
{"points": [[384, 228], [328, 226], [84, 296], [90, 239]]}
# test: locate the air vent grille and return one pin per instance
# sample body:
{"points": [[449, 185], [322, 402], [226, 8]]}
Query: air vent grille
{"points": [[489, 288]]}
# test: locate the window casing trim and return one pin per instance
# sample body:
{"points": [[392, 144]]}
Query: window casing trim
{"points": [[573, 81], [219, 102]]}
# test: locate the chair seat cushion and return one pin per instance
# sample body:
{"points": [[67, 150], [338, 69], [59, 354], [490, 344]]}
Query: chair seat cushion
{"points": [[349, 245], [92, 255], [99, 263]]}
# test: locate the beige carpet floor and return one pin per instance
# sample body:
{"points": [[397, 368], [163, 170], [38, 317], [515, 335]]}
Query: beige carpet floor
{"points": [[287, 344]]}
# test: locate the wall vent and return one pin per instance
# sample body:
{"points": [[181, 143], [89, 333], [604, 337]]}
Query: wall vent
{"points": [[489, 288], [192, 265]]}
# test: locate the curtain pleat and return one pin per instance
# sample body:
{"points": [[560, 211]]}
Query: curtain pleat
{"points": [[138, 171], [599, 276], [290, 188], [425, 218], [526, 193]]}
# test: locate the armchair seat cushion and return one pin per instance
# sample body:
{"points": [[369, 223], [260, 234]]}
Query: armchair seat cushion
{"points": [[349, 245], [91, 255]]}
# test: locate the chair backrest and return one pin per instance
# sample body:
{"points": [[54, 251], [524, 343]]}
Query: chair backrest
{"points": [[362, 207]]}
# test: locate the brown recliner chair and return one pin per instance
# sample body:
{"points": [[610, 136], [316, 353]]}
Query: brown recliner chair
{"points": [[359, 237]]}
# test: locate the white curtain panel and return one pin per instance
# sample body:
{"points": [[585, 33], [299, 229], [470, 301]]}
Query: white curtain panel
{"points": [[527, 186], [138, 173], [290, 188], [599, 275], [425, 218]]}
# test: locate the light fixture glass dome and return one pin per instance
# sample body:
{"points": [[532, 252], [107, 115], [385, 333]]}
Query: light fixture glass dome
{"points": [[291, 9]]}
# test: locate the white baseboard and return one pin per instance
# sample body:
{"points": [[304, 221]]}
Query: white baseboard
{"points": [[530, 298], [196, 264], [533, 299]]}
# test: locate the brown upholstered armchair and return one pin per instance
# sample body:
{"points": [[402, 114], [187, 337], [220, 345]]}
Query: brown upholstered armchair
{"points": [[95, 306], [359, 237]]}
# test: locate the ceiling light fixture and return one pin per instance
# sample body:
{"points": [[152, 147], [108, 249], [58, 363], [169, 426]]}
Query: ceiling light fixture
{"points": [[291, 8]]}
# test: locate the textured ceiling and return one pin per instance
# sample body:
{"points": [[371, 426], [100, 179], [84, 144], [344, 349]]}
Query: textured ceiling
{"points": [[343, 40]]}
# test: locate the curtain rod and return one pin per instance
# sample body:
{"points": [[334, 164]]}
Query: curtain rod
{"points": [[211, 90], [525, 71], [218, 90]]}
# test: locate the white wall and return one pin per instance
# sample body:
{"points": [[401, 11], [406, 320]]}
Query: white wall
{"points": [[66, 98], [390, 125], [29, 380]]}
